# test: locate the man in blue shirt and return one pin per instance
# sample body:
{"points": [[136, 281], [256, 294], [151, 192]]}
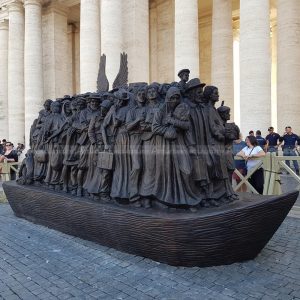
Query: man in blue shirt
{"points": [[272, 140], [289, 148], [261, 141]]}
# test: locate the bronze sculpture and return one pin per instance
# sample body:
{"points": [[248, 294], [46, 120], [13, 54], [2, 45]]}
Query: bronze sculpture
{"points": [[144, 169], [140, 147]]}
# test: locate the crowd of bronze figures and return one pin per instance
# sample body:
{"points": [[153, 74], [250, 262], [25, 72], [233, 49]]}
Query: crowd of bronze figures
{"points": [[141, 145]]}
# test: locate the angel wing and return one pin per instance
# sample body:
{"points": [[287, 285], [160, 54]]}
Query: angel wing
{"points": [[102, 82], [122, 77]]}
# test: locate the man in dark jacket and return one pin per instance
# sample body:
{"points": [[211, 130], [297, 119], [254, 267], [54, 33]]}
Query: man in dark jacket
{"points": [[289, 148], [272, 140], [261, 141]]}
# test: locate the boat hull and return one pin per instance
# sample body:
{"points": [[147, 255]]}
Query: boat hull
{"points": [[233, 233]]}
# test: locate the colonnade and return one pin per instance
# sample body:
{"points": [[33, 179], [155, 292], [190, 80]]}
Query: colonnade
{"points": [[113, 26]]}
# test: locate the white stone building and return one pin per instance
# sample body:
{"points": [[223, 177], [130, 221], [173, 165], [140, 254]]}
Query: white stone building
{"points": [[249, 49]]}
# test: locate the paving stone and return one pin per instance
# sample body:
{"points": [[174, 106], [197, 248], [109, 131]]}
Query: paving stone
{"points": [[41, 263]]}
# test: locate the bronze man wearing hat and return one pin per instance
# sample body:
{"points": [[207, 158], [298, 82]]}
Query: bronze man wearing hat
{"points": [[184, 75]]}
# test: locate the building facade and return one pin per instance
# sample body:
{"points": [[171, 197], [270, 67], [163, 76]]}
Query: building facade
{"points": [[249, 49]]}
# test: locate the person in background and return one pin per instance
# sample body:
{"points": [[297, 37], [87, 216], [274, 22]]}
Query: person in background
{"points": [[240, 165], [248, 153], [20, 148], [261, 141], [251, 133], [3, 145], [1, 149], [272, 140], [10, 155], [289, 147]]}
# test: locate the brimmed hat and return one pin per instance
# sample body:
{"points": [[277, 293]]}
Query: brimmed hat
{"points": [[183, 71], [94, 96], [193, 83]]}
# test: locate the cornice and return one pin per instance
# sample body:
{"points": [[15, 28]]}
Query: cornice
{"points": [[4, 3], [3, 13], [68, 3]]}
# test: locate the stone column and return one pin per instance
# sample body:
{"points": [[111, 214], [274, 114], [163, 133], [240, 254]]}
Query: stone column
{"points": [[70, 90], [274, 76], [55, 51], [222, 51], [255, 65], [288, 64], [165, 48], [89, 44], [136, 38], [186, 37], [16, 73], [205, 38], [153, 36], [3, 79], [236, 71], [33, 63], [76, 66], [111, 36]]}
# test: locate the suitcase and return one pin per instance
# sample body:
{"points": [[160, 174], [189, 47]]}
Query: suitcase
{"points": [[105, 160]]}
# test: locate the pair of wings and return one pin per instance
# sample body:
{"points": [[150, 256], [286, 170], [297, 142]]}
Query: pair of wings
{"points": [[121, 79]]}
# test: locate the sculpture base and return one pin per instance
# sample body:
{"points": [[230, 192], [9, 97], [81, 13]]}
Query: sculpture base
{"points": [[233, 233]]}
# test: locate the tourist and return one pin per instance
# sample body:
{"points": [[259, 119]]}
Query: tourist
{"points": [[3, 145], [240, 165], [20, 148], [9, 156], [249, 153]]}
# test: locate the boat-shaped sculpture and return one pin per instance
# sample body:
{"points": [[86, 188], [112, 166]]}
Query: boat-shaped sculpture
{"points": [[214, 236], [146, 169]]}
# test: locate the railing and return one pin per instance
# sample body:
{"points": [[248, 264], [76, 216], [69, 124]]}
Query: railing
{"points": [[271, 164], [244, 179], [5, 168]]}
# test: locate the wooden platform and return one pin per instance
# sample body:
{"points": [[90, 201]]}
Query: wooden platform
{"points": [[233, 233]]}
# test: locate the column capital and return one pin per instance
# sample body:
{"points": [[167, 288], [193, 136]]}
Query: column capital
{"points": [[15, 6], [56, 7], [4, 25], [33, 2]]}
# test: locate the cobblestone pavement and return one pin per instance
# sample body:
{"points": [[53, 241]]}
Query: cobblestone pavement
{"points": [[40, 263]]}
